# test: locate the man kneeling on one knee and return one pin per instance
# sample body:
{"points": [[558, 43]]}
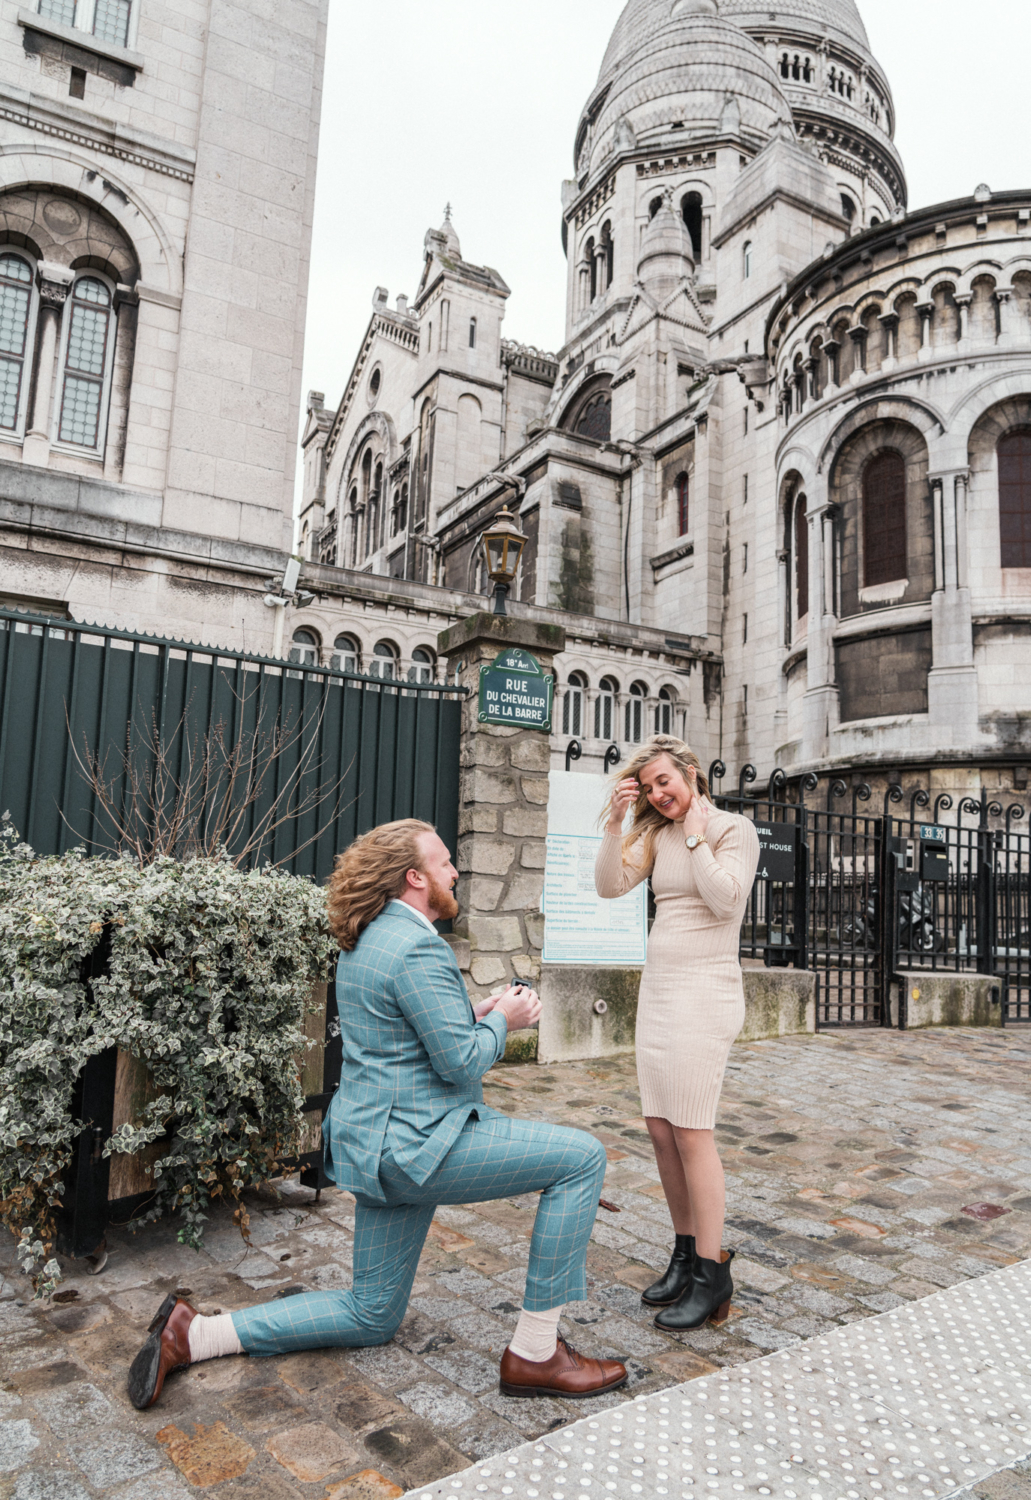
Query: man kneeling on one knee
{"points": [[408, 1130]]}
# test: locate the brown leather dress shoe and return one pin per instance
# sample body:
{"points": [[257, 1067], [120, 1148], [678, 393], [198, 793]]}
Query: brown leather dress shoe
{"points": [[566, 1373], [167, 1349]]}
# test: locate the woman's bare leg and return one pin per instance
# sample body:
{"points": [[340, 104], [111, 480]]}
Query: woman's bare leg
{"points": [[671, 1175], [703, 1175]]}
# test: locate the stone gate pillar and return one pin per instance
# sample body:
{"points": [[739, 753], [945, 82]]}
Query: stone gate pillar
{"points": [[503, 810]]}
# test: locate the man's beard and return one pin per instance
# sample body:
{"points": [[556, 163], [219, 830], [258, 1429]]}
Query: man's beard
{"points": [[442, 901]]}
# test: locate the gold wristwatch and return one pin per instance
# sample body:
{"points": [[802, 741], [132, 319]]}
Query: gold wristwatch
{"points": [[694, 839]]}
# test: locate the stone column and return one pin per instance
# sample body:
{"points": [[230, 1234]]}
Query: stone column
{"points": [[821, 709], [890, 324], [54, 283], [926, 312], [503, 811], [952, 681], [963, 303]]}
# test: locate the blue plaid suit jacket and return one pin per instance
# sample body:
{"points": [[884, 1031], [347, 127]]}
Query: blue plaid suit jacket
{"points": [[414, 1054]]}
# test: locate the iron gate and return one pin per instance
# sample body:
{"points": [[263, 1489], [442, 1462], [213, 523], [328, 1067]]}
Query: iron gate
{"points": [[875, 897]]}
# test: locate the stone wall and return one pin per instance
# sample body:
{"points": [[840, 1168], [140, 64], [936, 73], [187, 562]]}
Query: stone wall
{"points": [[593, 1012], [503, 811]]}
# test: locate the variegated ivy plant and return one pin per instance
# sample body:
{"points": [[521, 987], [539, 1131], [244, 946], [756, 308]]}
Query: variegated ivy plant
{"points": [[205, 976]]}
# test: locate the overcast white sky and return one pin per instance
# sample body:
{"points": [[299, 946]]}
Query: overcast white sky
{"points": [[476, 102]]}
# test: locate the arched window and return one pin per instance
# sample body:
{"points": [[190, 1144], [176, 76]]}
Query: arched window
{"points": [[401, 518], [590, 414], [1015, 498], [305, 648], [384, 661], [346, 654], [848, 209], [472, 333], [17, 309], [352, 521], [654, 207], [691, 208], [801, 558], [375, 382], [874, 221], [747, 259], [608, 252], [87, 355], [884, 519], [664, 712], [423, 665], [683, 493], [634, 714], [605, 709], [573, 704], [591, 261]]}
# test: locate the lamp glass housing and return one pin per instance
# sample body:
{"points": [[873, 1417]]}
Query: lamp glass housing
{"points": [[503, 545]]}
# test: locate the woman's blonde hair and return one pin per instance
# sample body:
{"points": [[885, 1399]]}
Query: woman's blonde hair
{"points": [[648, 821], [369, 874]]}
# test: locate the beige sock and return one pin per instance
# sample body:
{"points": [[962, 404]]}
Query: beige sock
{"points": [[534, 1338], [211, 1338]]}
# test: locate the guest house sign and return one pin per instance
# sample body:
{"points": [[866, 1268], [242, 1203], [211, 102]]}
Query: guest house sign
{"points": [[515, 692]]}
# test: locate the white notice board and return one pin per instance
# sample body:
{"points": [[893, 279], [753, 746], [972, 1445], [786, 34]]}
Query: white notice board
{"points": [[581, 928]]}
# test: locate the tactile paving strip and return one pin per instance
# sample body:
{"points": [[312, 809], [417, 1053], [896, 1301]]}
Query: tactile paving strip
{"points": [[918, 1403]]}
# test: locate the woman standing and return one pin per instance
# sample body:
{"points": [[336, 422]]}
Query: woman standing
{"points": [[702, 865]]}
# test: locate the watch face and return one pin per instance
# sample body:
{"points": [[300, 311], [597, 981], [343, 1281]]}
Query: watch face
{"points": [[692, 842]]}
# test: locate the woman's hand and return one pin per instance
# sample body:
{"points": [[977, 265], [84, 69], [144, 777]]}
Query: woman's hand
{"points": [[626, 793], [698, 815]]}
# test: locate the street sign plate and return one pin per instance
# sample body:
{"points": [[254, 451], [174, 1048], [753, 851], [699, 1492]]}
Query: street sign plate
{"points": [[931, 835], [778, 843], [515, 692]]}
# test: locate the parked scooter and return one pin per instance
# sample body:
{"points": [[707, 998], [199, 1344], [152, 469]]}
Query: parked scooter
{"points": [[916, 933]]}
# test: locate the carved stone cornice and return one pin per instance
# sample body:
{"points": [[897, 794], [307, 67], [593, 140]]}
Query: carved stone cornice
{"points": [[54, 282]]}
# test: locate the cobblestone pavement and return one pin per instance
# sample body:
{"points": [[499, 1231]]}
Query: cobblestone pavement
{"points": [[866, 1170]]}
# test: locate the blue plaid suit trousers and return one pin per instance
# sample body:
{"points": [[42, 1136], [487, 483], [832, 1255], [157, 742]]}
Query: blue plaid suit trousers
{"points": [[496, 1157]]}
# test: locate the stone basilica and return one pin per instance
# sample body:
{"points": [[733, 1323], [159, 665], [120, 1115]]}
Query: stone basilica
{"points": [[777, 481]]}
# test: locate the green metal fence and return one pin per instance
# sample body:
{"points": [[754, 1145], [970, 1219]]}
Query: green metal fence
{"points": [[107, 736]]}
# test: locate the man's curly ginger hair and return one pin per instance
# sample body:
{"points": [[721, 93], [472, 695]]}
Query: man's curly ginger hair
{"points": [[369, 874]]}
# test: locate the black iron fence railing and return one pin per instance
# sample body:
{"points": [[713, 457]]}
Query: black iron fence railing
{"points": [[862, 892]]}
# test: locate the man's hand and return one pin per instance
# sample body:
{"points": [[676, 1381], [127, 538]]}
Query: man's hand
{"points": [[519, 1005]]}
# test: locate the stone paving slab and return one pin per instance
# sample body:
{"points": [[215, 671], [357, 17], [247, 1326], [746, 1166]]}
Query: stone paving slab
{"points": [[867, 1171], [926, 1401]]}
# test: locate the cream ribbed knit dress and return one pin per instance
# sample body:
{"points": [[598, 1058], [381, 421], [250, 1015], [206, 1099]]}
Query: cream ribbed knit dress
{"points": [[692, 1003]]}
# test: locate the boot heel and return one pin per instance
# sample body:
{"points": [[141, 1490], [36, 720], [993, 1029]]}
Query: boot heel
{"points": [[722, 1313]]}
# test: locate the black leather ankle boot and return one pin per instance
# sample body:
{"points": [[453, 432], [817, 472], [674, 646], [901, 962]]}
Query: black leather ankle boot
{"points": [[707, 1297], [678, 1275]]}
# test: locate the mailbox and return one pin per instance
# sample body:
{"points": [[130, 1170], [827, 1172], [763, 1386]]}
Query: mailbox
{"points": [[934, 862], [934, 854]]}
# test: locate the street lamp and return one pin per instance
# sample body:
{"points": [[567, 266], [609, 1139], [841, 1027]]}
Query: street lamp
{"points": [[503, 545]]}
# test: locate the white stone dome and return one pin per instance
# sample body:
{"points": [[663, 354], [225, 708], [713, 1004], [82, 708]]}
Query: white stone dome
{"points": [[642, 18], [684, 71]]}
